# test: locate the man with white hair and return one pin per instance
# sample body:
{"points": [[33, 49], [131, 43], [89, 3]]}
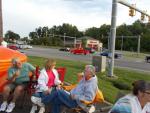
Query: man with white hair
{"points": [[85, 91], [18, 79]]}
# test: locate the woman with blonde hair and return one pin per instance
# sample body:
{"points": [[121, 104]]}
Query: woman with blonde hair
{"points": [[48, 79]]}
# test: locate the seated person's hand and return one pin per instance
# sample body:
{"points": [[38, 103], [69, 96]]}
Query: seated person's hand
{"points": [[59, 86], [73, 97], [48, 91], [17, 73]]}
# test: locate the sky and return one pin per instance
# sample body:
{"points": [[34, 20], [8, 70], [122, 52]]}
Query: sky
{"points": [[24, 16]]}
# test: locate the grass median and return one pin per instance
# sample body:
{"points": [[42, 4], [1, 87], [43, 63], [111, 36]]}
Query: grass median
{"points": [[110, 87]]}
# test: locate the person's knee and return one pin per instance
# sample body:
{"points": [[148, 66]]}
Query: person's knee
{"points": [[6, 89], [35, 100], [19, 89]]}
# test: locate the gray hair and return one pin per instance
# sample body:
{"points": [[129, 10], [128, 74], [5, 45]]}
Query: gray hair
{"points": [[15, 60], [91, 68]]}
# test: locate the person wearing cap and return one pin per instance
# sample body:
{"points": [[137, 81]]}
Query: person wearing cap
{"points": [[18, 79], [136, 102], [84, 91]]}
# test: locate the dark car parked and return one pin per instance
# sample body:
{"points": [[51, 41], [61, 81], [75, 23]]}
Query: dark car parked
{"points": [[65, 49], [147, 59], [116, 55]]}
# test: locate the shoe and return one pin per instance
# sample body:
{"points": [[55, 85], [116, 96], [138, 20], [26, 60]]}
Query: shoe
{"points": [[91, 109], [3, 106], [10, 107], [42, 110], [33, 109], [37, 101]]}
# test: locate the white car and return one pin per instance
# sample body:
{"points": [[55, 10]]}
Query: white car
{"points": [[22, 46]]}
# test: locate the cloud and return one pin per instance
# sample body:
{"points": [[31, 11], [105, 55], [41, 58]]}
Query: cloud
{"points": [[23, 16]]}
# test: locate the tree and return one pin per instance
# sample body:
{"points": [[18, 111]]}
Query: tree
{"points": [[10, 35], [93, 32]]}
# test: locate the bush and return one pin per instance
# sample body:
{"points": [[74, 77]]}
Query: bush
{"points": [[121, 85]]}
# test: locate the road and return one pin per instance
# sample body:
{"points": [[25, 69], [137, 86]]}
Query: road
{"points": [[55, 53]]}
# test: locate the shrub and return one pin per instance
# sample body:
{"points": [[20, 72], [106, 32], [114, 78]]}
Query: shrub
{"points": [[121, 85]]}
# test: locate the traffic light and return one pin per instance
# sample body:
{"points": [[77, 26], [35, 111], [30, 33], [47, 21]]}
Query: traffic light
{"points": [[142, 17], [131, 12]]}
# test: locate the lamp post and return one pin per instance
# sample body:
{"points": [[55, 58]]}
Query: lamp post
{"points": [[1, 20]]}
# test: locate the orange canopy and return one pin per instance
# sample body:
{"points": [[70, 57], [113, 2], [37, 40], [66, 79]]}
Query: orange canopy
{"points": [[6, 56]]}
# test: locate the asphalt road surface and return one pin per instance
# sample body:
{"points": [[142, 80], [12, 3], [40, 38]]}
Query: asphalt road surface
{"points": [[140, 65]]}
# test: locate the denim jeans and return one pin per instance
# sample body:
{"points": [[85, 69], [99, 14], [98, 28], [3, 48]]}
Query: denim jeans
{"points": [[59, 98]]}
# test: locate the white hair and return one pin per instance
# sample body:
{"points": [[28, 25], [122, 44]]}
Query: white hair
{"points": [[90, 68]]}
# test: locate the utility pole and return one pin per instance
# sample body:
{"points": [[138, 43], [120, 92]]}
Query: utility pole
{"points": [[112, 37], [139, 40], [113, 30], [121, 43], [75, 42], [64, 39], [1, 20]]}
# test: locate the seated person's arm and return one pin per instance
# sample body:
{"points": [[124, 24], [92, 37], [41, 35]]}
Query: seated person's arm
{"points": [[88, 94], [31, 68], [12, 75], [42, 85], [122, 106]]}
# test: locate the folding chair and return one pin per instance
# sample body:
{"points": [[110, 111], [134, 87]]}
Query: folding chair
{"points": [[30, 89], [61, 71], [88, 104]]}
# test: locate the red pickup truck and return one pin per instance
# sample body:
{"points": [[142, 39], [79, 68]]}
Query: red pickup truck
{"points": [[79, 51]]}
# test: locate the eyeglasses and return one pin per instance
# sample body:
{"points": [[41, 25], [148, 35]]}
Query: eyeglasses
{"points": [[147, 92]]}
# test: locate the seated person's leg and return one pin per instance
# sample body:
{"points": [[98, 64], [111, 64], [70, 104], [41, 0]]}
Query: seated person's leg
{"points": [[17, 93], [66, 99], [50, 97], [36, 100], [6, 92], [63, 98]]}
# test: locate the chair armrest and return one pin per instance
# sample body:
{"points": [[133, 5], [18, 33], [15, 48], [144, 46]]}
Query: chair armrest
{"points": [[69, 88], [86, 102]]}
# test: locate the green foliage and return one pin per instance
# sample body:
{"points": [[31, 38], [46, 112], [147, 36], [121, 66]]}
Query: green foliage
{"points": [[121, 85], [84, 43], [47, 36], [11, 36]]}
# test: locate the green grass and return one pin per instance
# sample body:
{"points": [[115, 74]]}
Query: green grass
{"points": [[105, 83]]}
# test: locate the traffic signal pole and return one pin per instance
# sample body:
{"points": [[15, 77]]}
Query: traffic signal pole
{"points": [[113, 32], [123, 2], [112, 38]]}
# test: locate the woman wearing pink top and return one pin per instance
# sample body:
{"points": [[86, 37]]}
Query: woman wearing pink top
{"points": [[47, 79]]}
